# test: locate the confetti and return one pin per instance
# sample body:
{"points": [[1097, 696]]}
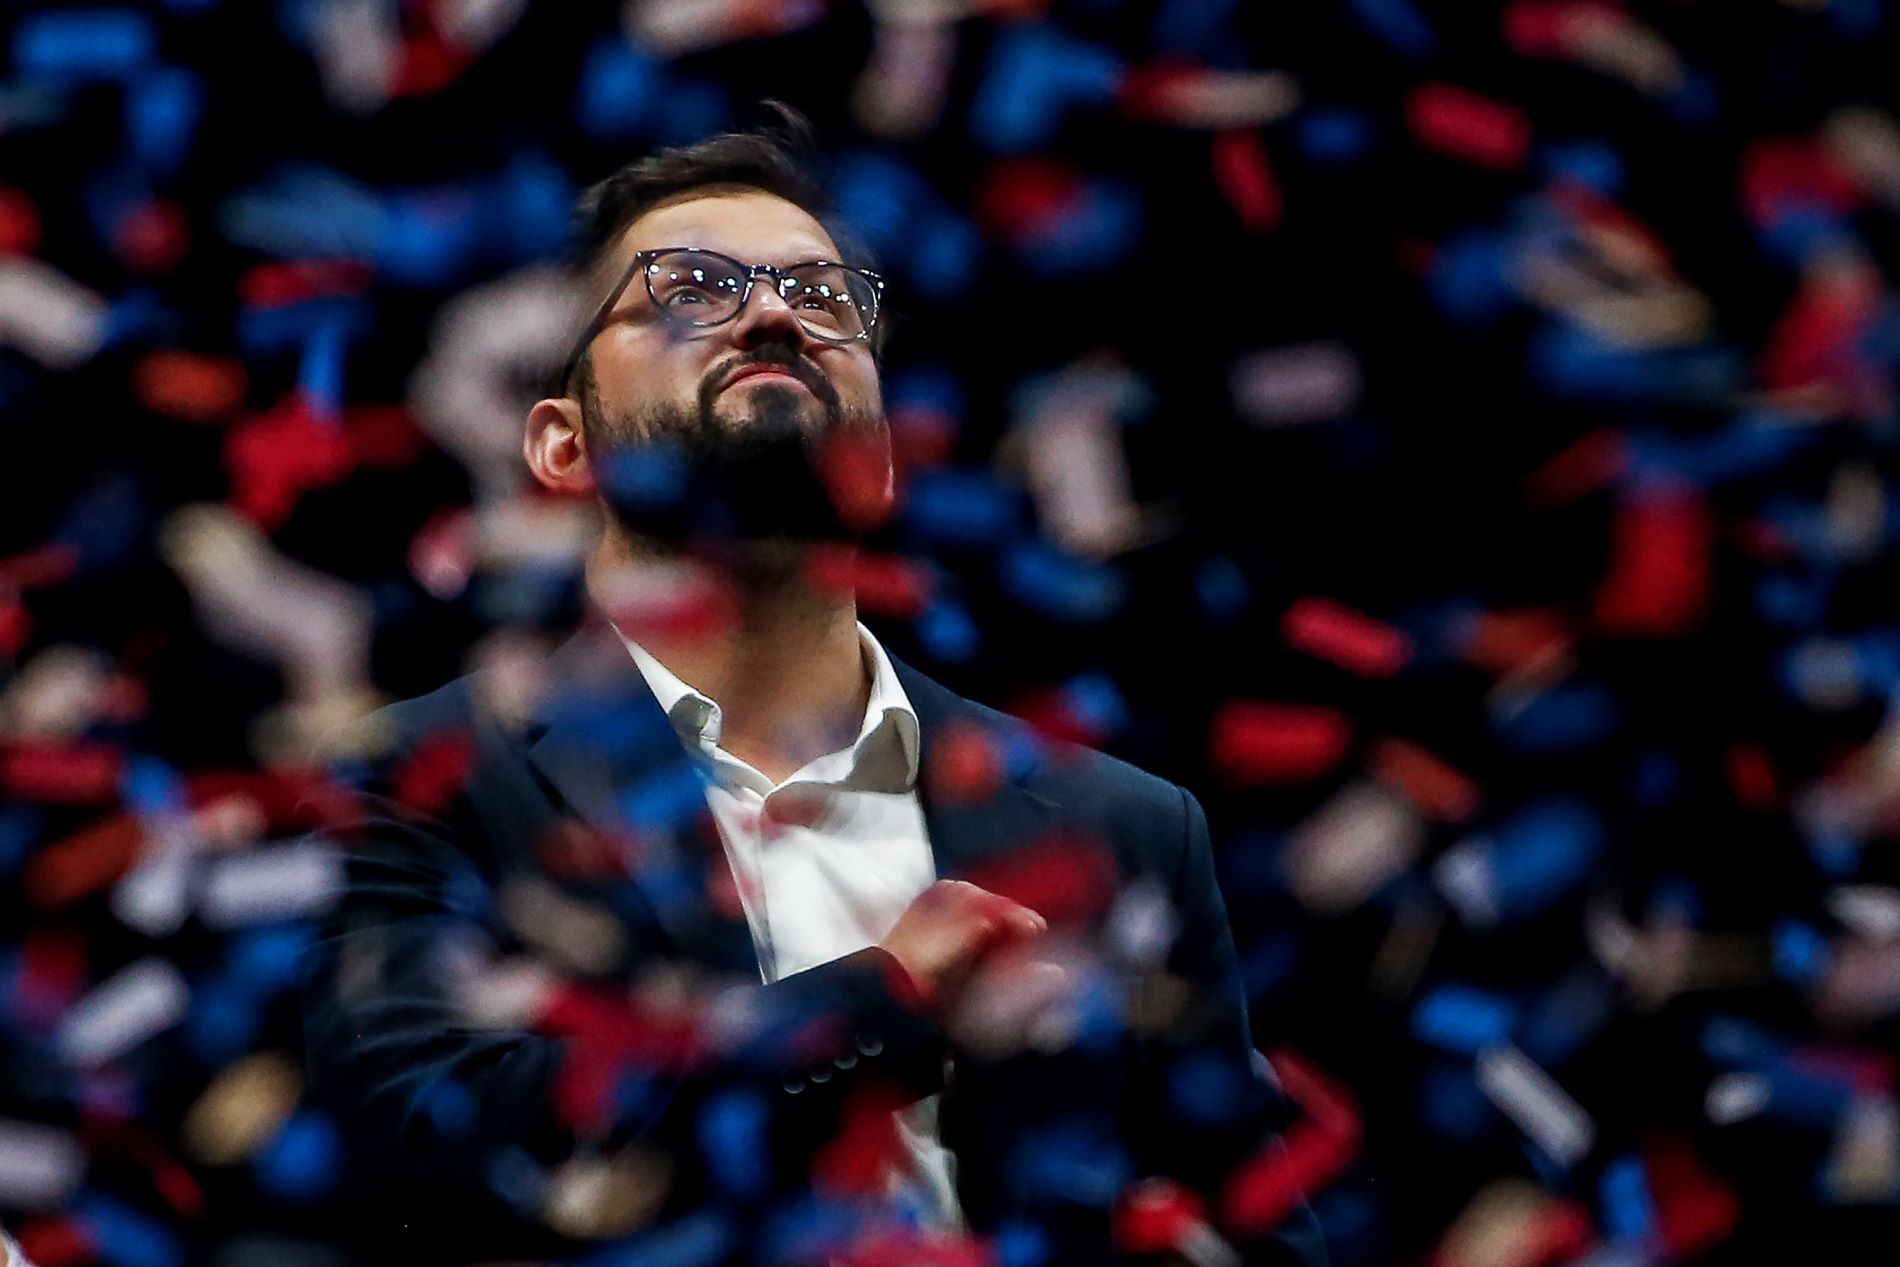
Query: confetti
{"points": [[1287, 386], [1332, 631], [40, 1166], [49, 316], [1540, 1107], [141, 1000], [265, 885], [1463, 124], [1257, 741], [1455, 446]]}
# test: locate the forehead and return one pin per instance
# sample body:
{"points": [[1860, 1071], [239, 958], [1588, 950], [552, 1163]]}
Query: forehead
{"points": [[756, 227]]}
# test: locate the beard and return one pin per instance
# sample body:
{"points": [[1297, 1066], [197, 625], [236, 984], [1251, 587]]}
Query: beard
{"points": [[744, 481]]}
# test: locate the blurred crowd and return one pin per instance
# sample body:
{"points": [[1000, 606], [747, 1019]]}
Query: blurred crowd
{"points": [[1457, 441]]}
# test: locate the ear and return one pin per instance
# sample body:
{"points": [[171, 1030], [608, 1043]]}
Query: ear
{"points": [[555, 448]]}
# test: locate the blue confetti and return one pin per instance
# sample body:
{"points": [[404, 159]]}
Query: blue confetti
{"points": [[83, 45]]}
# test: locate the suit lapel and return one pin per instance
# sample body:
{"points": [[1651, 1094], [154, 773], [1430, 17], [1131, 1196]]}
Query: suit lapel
{"points": [[971, 837], [604, 744], [969, 831]]}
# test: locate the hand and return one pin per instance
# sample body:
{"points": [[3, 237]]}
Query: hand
{"points": [[1019, 997], [951, 925]]}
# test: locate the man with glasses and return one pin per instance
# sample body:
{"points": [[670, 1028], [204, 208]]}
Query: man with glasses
{"points": [[820, 949]]}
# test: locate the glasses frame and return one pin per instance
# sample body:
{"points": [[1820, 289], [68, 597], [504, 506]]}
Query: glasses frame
{"points": [[753, 272]]}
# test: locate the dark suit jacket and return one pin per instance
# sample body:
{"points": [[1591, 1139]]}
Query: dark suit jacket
{"points": [[451, 1124]]}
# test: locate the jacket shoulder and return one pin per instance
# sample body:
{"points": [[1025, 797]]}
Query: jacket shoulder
{"points": [[396, 729], [1091, 789]]}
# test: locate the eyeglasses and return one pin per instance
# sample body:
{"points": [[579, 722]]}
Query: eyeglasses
{"points": [[833, 302]]}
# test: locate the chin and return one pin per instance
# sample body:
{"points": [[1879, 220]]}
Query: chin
{"points": [[772, 408]]}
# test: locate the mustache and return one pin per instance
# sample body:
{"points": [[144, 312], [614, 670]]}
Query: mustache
{"points": [[778, 356]]}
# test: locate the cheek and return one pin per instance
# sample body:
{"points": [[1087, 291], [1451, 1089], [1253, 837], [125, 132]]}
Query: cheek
{"points": [[648, 365], [857, 384]]}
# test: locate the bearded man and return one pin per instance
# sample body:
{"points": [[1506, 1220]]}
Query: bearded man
{"points": [[821, 952]]}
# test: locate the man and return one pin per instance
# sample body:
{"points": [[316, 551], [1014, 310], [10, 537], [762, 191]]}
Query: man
{"points": [[745, 938]]}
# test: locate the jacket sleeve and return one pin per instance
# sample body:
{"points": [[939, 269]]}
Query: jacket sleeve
{"points": [[1204, 1139], [428, 1095]]}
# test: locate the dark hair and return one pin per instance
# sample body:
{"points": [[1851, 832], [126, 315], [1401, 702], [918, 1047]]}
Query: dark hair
{"points": [[781, 158]]}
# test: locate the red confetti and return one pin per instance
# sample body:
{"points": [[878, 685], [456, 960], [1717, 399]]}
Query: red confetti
{"points": [[429, 64], [1439, 789], [56, 1242], [287, 798], [1696, 1211], [857, 1160], [1255, 742], [1148, 92], [1023, 198], [49, 977], [1556, 28], [1050, 711], [16, 625], [1353, 641], [1245, 176], [123, 698], [608, 1034], [922, 437], [1068, 881], [152, 238], [964, 767], [1156, 1216], [19, 223], [1870, 1072], [435, 772], [1462, 124], [1314, 1150], [384, 437], [1583, 468], [75, 775], [1658, 582], [574, 850], [278, 285], [276, 457], [1782, 173], [887, 1247], [1599, 216], [189, 387], [886, 585], [1817, 338], [40, 566], [84, 862], [858, 476], [690, 606], [1512, 641], [1753, 777], [174, 1183]]}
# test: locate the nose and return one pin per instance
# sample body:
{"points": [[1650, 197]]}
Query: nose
{"points": [[765, 317]]}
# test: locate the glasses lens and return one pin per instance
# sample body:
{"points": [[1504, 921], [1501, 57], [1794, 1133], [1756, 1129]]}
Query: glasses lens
{"points": [[833, 302], [695, 287]]}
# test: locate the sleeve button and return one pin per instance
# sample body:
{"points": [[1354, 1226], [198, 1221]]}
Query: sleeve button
{"points": [[794, 1084], [821, 1074], [846, 1061], [870, 1046]]}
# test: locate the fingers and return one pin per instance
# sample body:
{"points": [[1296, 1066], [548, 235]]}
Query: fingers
{"points": [[1001, 915]]}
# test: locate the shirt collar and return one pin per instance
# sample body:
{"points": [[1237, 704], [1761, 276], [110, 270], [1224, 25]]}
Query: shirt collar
{"points": [[883, 758]]}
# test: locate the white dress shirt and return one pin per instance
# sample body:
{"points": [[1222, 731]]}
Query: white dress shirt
{"points": [[826, 860]]}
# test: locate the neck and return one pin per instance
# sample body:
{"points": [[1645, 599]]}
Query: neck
{"points": [[780, 654]]}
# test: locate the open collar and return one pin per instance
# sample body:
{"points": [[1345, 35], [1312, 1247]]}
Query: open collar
{"points": [[602, 740]]}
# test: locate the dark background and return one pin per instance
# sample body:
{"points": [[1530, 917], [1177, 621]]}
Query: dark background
{"points": [[1605, 619]]}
